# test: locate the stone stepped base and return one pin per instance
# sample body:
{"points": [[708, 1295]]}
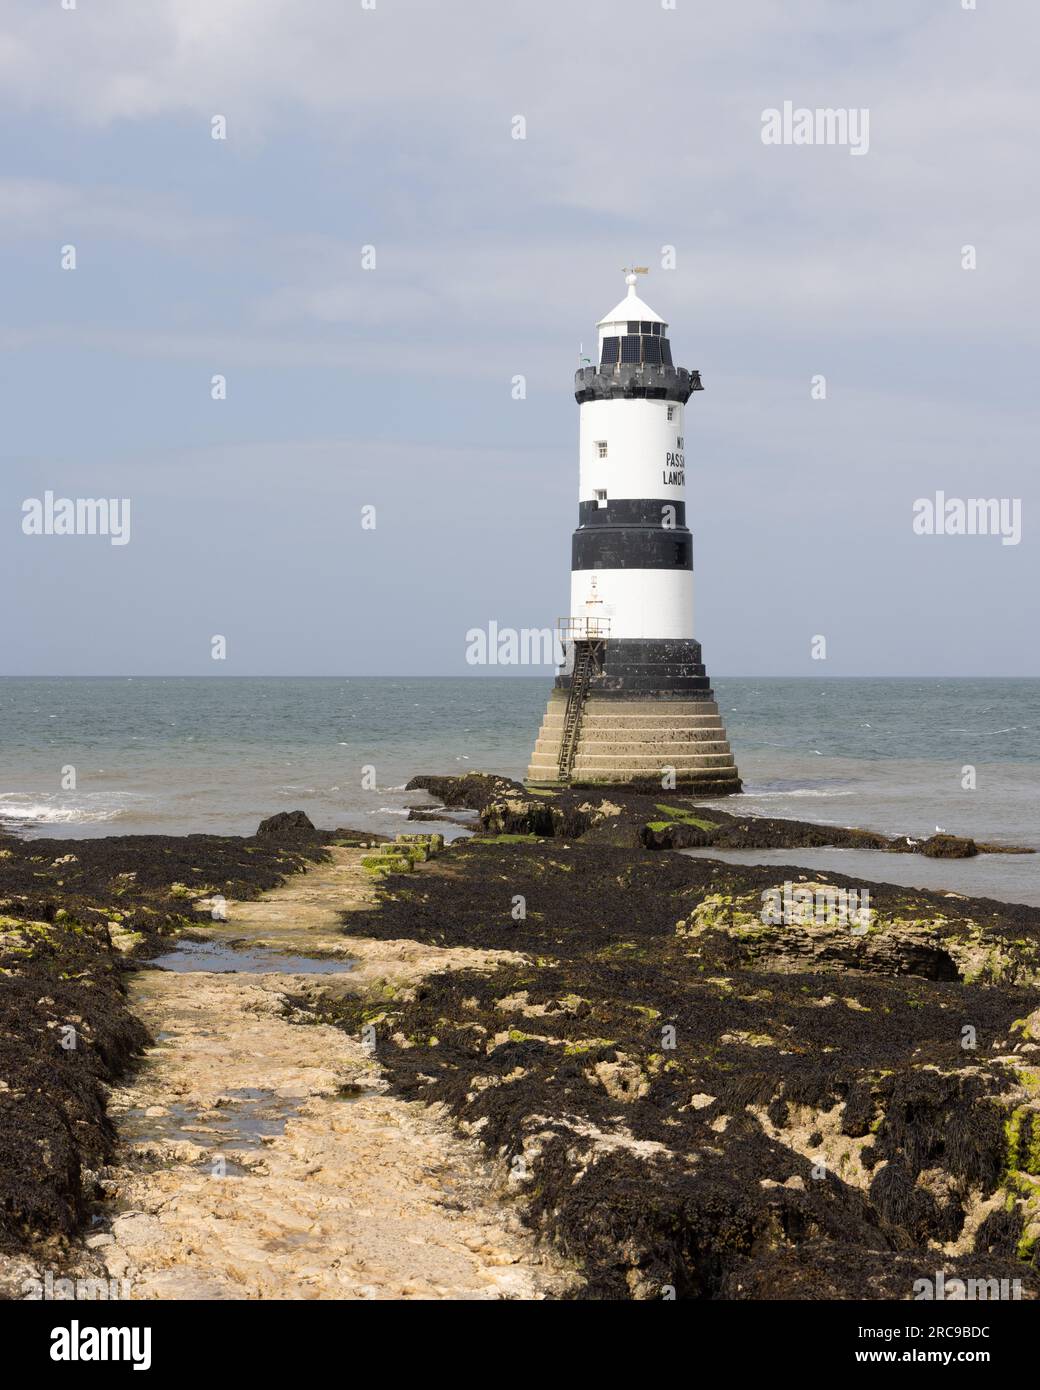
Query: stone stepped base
{"points": [[691, 739], [634, 743], [666, 751]]}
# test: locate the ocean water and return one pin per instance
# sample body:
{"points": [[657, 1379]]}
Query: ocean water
{"points": [[217, 755]]}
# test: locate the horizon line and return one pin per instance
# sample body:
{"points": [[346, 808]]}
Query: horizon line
{"points": [[260, 676]]}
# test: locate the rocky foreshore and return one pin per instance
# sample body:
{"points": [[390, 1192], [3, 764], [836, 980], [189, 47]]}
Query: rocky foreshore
{"points": [[691, 1078], [74, 916]]}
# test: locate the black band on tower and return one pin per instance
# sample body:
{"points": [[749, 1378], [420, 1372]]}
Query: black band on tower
{"points": [[631, 547], [634, 511]]}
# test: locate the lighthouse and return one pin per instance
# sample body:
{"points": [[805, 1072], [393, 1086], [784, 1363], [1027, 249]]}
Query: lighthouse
{"points": [[632, 704]]}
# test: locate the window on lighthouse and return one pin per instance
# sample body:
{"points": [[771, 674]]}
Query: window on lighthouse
{"points": [[601, 497], [671, 412], [601, 448]]}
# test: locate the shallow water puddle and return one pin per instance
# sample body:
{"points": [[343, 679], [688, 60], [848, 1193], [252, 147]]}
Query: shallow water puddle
{"points": [[1006, 877], [249, 1116], [222, 957], [357, 1197]]}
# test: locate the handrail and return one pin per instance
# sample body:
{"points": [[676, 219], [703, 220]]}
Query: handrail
{"points": [[583, 629]]}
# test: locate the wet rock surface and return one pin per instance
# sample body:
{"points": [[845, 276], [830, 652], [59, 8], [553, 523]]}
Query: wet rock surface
{"points": [[72, 912], [557, 1019], [693, 1098], [285, 825], [261, 1156], [667, 820]]}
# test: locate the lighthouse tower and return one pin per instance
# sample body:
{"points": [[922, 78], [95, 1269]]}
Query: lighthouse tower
{"points": [[632, 704]]}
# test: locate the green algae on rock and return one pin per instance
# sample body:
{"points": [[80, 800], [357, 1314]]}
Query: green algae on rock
{"points": [[67, 1031], [737, 1108]]}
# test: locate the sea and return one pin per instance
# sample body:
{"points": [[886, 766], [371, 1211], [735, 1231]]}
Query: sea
{"points": [[217, 755]]}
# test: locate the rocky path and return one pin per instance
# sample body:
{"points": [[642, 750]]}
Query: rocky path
{"points": [[261, 1157]]}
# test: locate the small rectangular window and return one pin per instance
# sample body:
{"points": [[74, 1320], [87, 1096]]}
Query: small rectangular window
{"points": [[601, 497], [601, 448], [671, 412], [633, 325], [646, 327]]}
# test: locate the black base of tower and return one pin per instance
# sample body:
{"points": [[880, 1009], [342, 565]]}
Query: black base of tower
{"points": [[659, 668]]}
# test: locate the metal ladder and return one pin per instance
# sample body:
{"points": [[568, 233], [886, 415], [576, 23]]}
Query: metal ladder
{"points": [[580, 677]]}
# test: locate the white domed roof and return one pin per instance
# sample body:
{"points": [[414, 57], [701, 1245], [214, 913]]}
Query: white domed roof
{"points": [[631, 307]]}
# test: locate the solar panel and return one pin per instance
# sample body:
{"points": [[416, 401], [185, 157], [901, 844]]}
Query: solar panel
{"points": [[666, 352], [630, 349], [610, 350], [652, 350]]}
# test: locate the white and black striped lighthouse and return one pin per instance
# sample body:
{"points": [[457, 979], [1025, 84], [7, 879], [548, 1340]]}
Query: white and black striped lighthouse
{"points": [[633, 704]]}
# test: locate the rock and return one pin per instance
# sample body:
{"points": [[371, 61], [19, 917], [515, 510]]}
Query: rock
{"points": [[518, 816], [1030, 1027], [948, 847], [286, 825], [674, 834], [618, 833]]}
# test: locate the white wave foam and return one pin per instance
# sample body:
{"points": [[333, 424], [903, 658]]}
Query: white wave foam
{"points": [[797, 791], [14, 807]]}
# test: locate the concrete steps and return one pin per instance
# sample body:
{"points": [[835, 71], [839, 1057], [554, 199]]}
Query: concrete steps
{"points": [[605, 733], [634, 741], [659, 749], [639, 734], [634, 763]]}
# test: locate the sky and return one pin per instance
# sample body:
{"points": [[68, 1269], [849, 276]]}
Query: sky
{"points": [[391, 126]]}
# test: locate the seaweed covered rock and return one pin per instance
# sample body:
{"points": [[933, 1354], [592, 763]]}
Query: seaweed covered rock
{"points": [[943, 846], [285, 825], [667, 820], [474, 790], [529, 815], [72, 914], [66, 1032], [688, 1095]]}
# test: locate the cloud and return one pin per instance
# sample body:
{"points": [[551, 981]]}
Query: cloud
{"points": [[41, 208], [496, 256]]}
